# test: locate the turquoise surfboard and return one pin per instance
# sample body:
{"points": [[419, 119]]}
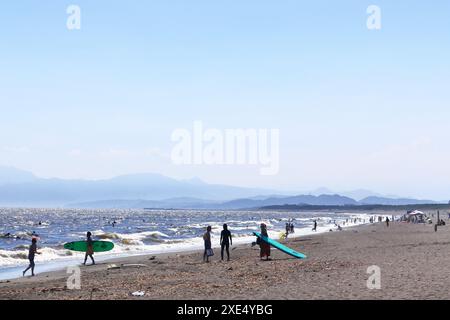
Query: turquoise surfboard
{"points": [[280, 246]]}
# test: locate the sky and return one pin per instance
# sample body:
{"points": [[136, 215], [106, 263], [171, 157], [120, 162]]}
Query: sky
{"points": [[355, 108]]}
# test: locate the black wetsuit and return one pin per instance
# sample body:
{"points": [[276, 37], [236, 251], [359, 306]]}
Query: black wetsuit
{"points": [[31, 254], [225, 236]]}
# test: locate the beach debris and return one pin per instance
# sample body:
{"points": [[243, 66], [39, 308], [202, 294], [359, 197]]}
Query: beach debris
{"points": [[152, 258], [53, 289], [112, 267], [133, 265], [138, 293]]}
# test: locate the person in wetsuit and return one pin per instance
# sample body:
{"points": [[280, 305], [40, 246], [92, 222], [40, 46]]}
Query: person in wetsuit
{"points": [[225, 241], [31, 253], [90, 248]]}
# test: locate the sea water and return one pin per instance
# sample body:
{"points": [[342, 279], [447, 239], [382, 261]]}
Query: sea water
{"points": [[139, 231]]}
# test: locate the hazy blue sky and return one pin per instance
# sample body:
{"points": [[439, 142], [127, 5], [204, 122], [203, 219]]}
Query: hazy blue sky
{"points": [[356, 108]]}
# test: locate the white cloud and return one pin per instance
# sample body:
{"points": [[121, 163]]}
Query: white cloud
{"points": [[156, 152], [75, 153], [16, 149]]}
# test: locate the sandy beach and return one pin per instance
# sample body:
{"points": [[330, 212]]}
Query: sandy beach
{"points": [[414, 261]]}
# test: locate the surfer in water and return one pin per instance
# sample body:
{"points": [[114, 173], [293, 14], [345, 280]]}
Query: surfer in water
{"points": [[31, 253], [90, 248], [207, 240], [264, 246], [225, 241]]}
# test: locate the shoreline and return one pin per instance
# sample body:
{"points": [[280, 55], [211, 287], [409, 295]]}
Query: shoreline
{"points": [[14, 271], [336, 268]]}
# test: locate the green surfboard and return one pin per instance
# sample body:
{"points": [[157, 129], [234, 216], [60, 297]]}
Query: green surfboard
{"points": [[98, 246]]}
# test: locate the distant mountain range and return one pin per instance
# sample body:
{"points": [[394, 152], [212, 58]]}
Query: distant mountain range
{"points": [[394, 202], [358, 194], [249, 203], [148, 190], [21, 188]]}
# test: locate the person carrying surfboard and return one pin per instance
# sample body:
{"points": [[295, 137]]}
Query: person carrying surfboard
{"points": [[31, 253], [264, 246], [90, 248]]}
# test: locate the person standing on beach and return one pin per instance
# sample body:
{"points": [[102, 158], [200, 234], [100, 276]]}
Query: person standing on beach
{"points": [[207, 240], [315, 226], [387, 221], [32, 251], [89, 249], [225, 241], [264, 246]]}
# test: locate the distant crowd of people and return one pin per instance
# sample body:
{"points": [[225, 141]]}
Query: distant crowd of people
{"points": [[380, 219]]}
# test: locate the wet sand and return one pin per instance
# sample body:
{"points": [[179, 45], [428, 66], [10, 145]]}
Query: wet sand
{"points": [[414, 262]]}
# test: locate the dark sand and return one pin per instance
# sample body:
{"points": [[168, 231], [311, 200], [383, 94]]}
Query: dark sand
{"points": [[414, 262]]}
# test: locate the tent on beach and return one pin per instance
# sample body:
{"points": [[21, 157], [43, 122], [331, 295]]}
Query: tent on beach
{"points": [[415, 216]]}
